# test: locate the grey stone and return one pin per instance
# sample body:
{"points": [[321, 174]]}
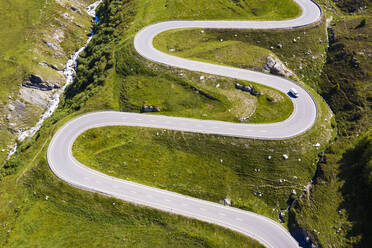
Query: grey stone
{"points": [[75, 9], [147, 109], [51, 45], [37, 82], [276, 67], [227, 202], [11, 107]]}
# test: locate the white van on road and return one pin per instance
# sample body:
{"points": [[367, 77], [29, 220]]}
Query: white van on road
{"points": [[294, 92]]}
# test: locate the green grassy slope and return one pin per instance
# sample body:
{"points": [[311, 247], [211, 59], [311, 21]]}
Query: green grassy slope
{"points": [[39, 210], [71, 217], [158, 10], [137, 85], [25, 27], [335, 215], [211, 46], [13, 51], [130, 71], [207, 166]]}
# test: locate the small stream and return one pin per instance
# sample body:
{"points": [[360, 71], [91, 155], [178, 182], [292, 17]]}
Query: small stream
{"points": [[69, 73]]}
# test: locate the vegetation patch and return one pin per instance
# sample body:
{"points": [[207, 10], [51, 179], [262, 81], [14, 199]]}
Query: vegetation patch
{"points": [[252, 173], [37, 209], [333, 215], [33, 40]]}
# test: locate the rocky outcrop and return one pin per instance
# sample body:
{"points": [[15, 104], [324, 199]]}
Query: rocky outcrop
{"points": [[147, 109], [275, 66], [77, 10], [247, 88], [54, 67], [37, 82]]}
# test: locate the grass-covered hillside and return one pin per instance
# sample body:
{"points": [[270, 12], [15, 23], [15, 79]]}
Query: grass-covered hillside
{"points": [[207, 166], [37, 37], [123, 80], [39, 210], [336, 214]]}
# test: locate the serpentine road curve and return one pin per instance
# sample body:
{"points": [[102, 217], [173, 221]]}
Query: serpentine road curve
{"points": [[263, 229]]}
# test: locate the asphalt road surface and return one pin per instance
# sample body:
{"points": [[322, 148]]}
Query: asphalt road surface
{"points": [[263, 229]]}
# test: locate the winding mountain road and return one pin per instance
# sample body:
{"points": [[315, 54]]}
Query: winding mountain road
{"points": [[263, 229]]}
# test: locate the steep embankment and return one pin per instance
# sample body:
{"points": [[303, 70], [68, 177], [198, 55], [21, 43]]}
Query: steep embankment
{"points": [[335, 215], [38, 37]]}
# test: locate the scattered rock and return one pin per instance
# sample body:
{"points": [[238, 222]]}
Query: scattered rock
{"points": [[294, 192], [269, 157], [285, 156], [46, 197], [317, 145], [2, 150], [36, 97], [75, 9], [11, 107], [79, 25], [275, 66], [308, 52], [202, 78], [51, 45], [147, 109], [294, 40], [227, 202], [247, 88], [37, 82], [280, 46], [54, 67], [172, 50], [218, 85], [354, 62]]}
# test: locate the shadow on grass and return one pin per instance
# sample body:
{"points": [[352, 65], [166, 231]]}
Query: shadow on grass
{"points": [[356, 172]]}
